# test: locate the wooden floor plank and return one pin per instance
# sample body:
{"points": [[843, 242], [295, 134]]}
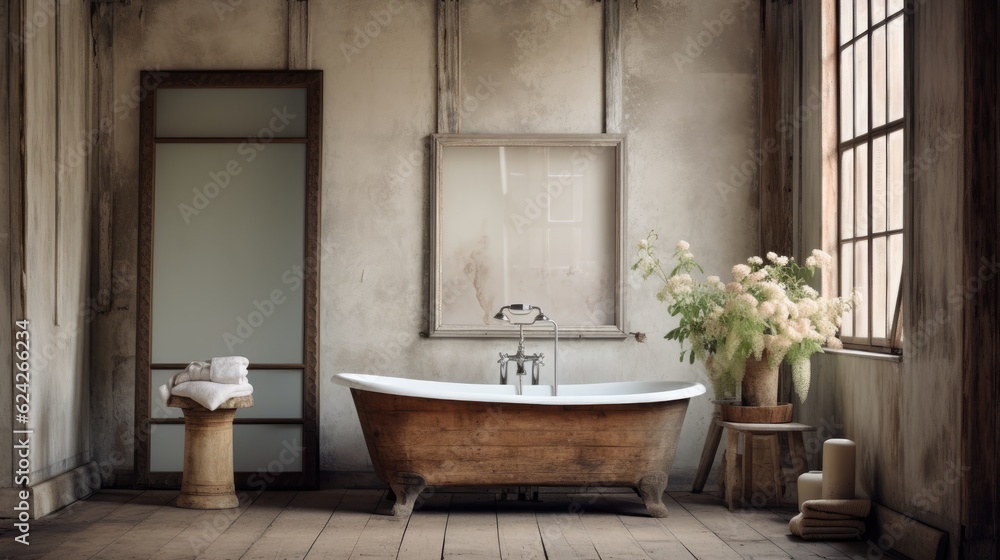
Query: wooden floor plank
{"points": [[205, 527], [774, 527], [740, 536], [424, 537], [338, 524], [248, 527], [382, 535], [109, 528], [563, 534], [520, 538], [340, 535], [655, 539], [701, 542], [608, 534], [296, 528], [53, 530], [472, 530]]}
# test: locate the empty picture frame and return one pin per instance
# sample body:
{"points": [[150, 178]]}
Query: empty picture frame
{"points": [[534, 219]]}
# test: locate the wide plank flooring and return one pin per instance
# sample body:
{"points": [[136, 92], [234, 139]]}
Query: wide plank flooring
{"points": [[353, 524]]}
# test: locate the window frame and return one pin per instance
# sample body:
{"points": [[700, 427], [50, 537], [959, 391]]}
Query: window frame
{"points": [[893, 343]]}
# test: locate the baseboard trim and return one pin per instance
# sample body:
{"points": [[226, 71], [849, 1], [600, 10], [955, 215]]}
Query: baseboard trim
{"points": [[905, 535], [54, 493]]}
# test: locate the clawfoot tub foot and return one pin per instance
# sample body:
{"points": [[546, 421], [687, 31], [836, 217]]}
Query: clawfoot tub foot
{"points": [[407, 487], [651, 489]]}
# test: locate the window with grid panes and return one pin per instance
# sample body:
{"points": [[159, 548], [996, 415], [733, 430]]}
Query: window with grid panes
{"points": [[871, 179]]}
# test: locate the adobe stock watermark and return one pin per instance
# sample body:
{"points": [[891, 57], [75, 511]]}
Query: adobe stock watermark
{"points": [[43, 15], [220, 179], [552, 189], [212, 528], [935, 149], [746, 171], [122, 106], [932, 494], [379, 19], [292, 279], [529, 40], [485, 88], [696, 45], [928, 329]]}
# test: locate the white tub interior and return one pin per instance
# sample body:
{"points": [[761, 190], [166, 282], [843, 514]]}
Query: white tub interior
{"points": [[619, 392]]}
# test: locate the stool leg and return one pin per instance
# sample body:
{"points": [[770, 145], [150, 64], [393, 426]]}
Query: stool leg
{"points": [[732, 452], [708, 455], [779, 477], [747, 470]]}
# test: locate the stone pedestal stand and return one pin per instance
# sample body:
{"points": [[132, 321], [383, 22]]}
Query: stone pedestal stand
{"points": [[207, 482]]}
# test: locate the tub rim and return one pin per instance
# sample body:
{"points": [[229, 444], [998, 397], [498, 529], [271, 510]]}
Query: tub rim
{"points": [[655, 390]]}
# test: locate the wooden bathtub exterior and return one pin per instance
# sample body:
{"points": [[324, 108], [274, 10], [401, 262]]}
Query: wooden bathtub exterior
{"points": [[417, 442]]}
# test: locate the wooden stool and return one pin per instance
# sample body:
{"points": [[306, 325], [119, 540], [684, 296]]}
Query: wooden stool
{"points": [[792, 430], [207, 482]]}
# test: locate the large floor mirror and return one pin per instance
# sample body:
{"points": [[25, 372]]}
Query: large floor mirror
{"points": [[228, 263]]}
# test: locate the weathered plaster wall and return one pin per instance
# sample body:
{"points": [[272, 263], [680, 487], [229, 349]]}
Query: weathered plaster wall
{"points": [[905, 416], [56, 218], [690, 112]]}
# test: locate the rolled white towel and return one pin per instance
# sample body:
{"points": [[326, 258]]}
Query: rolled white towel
{"points": [[210, 395], [195, 371], [228, 369]]}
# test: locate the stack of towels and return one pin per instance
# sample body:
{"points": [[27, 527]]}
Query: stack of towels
{"points": [[210, 383], [830, 519]]}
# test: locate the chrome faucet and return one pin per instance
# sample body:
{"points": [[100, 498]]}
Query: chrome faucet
{"points": [[521, 314]]}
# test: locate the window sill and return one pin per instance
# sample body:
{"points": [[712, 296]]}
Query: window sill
{"points": [[862, 354]]}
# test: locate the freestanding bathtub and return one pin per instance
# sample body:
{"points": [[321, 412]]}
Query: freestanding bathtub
{"points": [[431, 433]]}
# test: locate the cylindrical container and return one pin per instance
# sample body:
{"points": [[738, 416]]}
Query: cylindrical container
{"points": [[838, 469], [810, 486]]}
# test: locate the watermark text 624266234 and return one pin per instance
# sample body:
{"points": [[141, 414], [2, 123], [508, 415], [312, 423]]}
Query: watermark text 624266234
{"points": [[21, 451]]}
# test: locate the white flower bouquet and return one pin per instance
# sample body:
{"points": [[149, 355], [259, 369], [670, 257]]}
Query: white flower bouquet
{"points": [[767, 309]]}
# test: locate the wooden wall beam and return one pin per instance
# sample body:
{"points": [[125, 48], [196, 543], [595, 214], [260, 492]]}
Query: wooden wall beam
{"points": [[298, 35], [103, 154], [449, 58], [612, 67], [981, 314], [779, 86]]}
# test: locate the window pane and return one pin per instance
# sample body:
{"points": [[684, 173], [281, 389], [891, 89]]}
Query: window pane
{"points": [[880, 315], [847, 284], [861, 16], [896, 68], [878, 185], [861, 86], [847, 94], [861, 285], [861, 216], [894, 261], [878, 77], [895, 6], [260, 447], [878, 11], [235, 112], [895, 168], [847, 194], [236, 194], [846, 20]]}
